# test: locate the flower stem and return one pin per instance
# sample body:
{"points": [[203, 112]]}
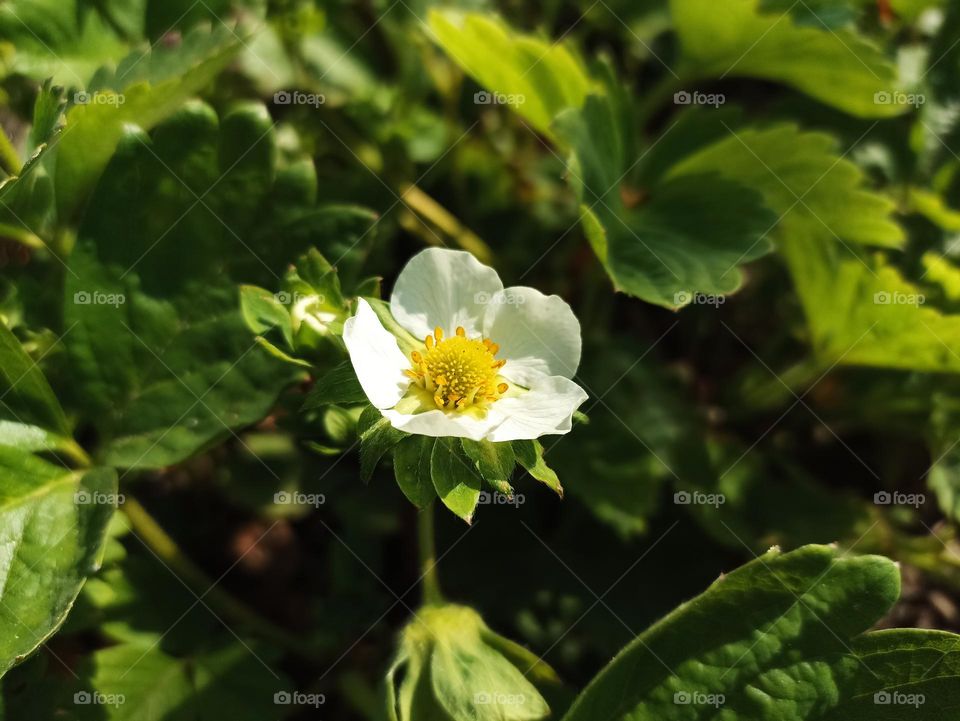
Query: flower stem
{"points": [[428, 558], [169, 553]]}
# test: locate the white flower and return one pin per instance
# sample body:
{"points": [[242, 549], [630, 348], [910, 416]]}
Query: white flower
{"points": [[491, 363]]}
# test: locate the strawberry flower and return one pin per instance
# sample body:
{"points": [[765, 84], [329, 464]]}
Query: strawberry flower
{"points": [[482, 361]]}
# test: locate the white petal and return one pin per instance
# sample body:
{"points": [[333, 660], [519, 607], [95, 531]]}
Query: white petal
{"points": [[538, 334], [445, 288], [438, 424], [547, 409], [376, 357]]}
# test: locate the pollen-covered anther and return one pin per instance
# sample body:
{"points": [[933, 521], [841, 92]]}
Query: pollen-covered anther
{"points": [[459, 372]]}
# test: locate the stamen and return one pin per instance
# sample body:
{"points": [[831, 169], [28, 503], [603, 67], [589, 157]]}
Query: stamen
{"points": [[458, 372]]}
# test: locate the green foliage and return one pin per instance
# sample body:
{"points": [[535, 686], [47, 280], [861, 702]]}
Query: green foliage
{"points": [[536, 77], [159, 345], [787, 641], [194, 198], [455, 478], [54, 523], [835, 66]]}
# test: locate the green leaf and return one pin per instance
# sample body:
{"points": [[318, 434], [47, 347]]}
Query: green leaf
{"points": [[862, 311], [412, 467], [339, 385], [455, 478], [263, 312], [160, 84], [25, 395], [781, 637], [801, 177], [377, 437], [31, 418], [229, 682], [161, 359], [542, 78], [54, 525], [47, 114], [495, 461], [687, 237], [529, 454], [66, 39], [314, 275], [835, 66]]}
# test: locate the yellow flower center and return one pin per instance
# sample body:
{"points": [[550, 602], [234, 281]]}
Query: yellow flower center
{"points": [[459, 372]]}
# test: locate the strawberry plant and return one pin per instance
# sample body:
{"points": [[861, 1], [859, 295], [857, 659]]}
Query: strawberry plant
{"points": [[473, 361]]}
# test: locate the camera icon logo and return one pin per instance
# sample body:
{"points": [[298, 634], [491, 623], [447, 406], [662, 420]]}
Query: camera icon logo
{"points": [[81, 97], [681, 698], [682, 297], [882, 498], [882, 98], [482, 97], [282, 97], [282, 698], [682, 498], [682, 97], [282, 497], [81, 297]]}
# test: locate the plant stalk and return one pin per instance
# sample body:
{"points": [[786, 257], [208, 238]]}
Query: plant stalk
{"points": [[9, 159], [432, 596], [431, 210]]}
